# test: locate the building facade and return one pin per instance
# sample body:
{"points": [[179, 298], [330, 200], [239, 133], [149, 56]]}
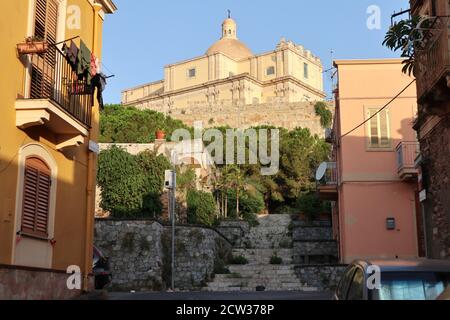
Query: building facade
{"points": [[49, 120], [373, 180], [433, 125], [230, 75]]}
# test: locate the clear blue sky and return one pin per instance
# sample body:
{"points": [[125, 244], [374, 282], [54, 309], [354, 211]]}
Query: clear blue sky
{"points": [[143, 36]]}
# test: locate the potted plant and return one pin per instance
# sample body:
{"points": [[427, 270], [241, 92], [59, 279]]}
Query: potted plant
{"points": [[160, 134], [32, 45]]}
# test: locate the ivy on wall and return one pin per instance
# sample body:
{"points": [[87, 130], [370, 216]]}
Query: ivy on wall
{"points": [[326, 117]]}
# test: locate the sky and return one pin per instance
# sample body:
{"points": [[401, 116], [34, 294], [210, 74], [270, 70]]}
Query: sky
{"points": [[145, 35]]}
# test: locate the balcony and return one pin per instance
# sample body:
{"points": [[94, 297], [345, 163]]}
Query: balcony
{"points": [[329, 135], [327, 187], [433, 60], [407, 153], [55, 99]]}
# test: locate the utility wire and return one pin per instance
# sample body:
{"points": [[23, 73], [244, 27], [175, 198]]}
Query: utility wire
{"points": [[385, 106]]}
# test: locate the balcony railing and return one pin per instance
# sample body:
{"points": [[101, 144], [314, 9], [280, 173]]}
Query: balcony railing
{"points": [[52, 78], [407, 152], [433, 60], [327, 187], [330, 177]]}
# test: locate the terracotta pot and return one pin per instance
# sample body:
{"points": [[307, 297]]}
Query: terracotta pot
{"points": [[32, 47], [160, 135]]}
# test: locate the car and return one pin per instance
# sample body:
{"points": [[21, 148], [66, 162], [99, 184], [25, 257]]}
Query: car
{"points": [[415, 279], [101, 270]]}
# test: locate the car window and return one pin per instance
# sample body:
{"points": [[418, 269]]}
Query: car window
{"points": [[343, 284], [356, 290]]}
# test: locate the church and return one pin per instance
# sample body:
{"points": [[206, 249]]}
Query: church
{"points": [[230, 79]]}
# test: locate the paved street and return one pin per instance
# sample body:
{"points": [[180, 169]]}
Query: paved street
{"points": [[278, 295]]}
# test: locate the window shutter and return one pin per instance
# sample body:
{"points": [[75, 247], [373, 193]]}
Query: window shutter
{"points": [[36, 198], [379, 135], [45, 27]]}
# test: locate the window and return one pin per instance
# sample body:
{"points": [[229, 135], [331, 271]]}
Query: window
{"points": [[305, 70], [45, 27], [192, 73], [270, 71], [356, 291], [36, 198], [378, 128]]}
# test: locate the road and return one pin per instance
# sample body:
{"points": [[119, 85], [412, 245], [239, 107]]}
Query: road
{"points": [[218, 296]]}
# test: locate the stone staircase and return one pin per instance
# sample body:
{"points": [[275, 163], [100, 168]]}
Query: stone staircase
{"points": [[272, 237]]}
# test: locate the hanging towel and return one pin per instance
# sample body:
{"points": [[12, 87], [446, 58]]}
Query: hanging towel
{"points": [[84, 63], [71, 53], [95, 65]]}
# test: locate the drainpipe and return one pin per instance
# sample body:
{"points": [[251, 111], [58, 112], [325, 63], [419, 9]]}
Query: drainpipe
{"points": [[91, 170]]}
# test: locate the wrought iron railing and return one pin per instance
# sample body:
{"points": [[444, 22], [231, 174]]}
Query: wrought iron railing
{"points": [[53, 78], [433, 60], [407, 152], [331, 176]]}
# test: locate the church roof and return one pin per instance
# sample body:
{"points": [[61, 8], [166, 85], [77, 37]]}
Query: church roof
{"points": [[229, 44], [231, 47]]}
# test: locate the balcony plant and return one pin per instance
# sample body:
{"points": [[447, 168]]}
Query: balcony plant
{"points": [[160, 134], [32, 45]]}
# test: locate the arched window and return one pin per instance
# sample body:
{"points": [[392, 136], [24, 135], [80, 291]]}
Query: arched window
{"points": [[36, 197], [229, 31]]}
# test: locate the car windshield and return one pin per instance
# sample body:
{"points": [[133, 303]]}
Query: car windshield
{"points": [[411, 286]]}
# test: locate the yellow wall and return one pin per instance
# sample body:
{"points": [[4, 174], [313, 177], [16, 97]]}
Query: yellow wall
{"points": [[217, 72], [70, 214]]}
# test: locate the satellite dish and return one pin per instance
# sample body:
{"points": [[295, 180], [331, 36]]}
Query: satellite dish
{"points": [[321, 171]]}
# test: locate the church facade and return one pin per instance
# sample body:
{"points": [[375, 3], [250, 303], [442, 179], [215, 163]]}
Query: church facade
{"points": [[229, 79]]}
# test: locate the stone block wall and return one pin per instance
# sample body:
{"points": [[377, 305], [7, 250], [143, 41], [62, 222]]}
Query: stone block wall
{"points": [[282, 114], [140, 254], [135, 253], [312, 233], [234, 231], [324, 277], [435, 148]]}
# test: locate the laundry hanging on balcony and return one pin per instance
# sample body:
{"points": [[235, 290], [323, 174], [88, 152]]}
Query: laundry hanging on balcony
{"points": [[99, 82], [84, 63], [71, 53]]}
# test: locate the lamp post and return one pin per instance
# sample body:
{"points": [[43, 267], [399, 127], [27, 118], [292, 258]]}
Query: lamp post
{"points": [[171, 174]]}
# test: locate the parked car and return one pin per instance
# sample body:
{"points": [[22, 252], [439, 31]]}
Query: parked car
{"points": [[418, 279], [101, 270]]}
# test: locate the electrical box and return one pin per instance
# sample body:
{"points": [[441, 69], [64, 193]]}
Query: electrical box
{"points": [[170, 179], [390, 224]]}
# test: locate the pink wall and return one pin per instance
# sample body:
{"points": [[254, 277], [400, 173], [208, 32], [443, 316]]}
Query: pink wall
{"points": [[370, 189]]}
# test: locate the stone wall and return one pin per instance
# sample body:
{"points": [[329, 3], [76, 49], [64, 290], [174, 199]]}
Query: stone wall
{"points": [[312, 233], [324, 277], [287, 115], [135, 253], [435, 149], [140, 254], [234, 231], [19, 283]]}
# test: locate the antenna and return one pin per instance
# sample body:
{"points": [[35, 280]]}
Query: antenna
{"points": [[321, 171]]}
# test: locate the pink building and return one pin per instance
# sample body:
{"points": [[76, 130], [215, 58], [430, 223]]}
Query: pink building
{"points": [[373, 180]]}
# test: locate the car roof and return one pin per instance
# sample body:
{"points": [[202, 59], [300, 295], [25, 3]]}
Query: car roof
{"points": [[416, 265]]}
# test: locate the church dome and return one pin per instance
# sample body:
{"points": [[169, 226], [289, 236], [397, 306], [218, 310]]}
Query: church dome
{"points": [[229, 44]]}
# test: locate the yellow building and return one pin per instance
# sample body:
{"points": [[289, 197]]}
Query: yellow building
{"points": [[48, 134], [229, 74]]}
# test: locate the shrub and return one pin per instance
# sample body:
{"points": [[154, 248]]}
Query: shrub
{"points": [[324, 113], [131, 185], [201, 207], [276, 260], [239, 260], [311, 205]]}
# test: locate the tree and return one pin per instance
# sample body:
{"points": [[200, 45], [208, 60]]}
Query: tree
{"points": [[119, 124], [131, 185], [403, 36]]}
